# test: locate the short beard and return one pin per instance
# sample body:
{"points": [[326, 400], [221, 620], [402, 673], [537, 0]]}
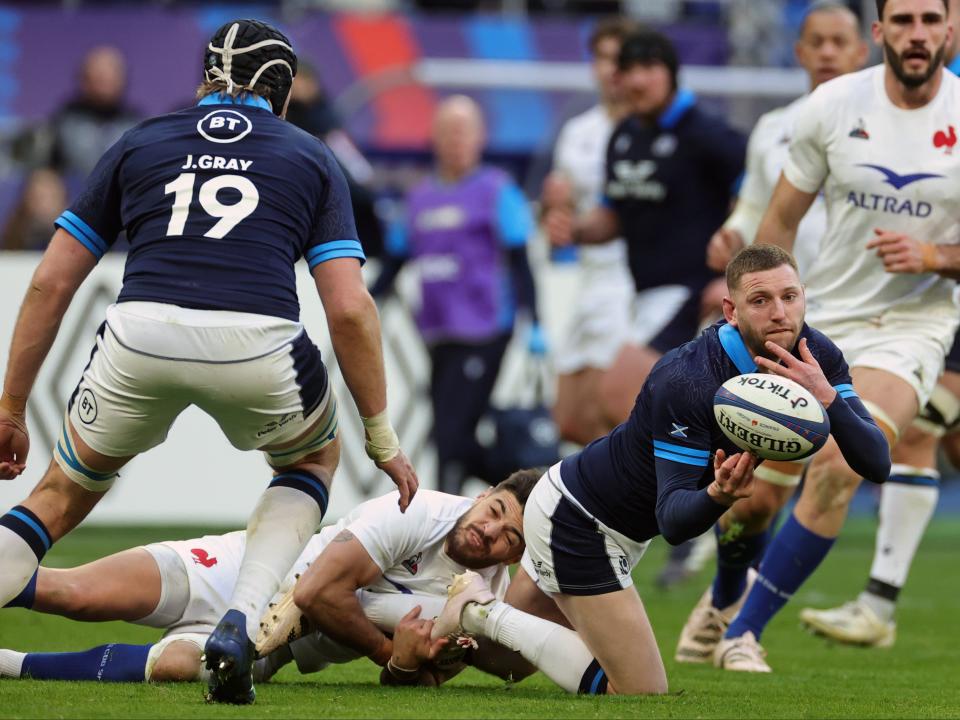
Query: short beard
{"points": [[756, 344], [912, 82], [455, 549]]}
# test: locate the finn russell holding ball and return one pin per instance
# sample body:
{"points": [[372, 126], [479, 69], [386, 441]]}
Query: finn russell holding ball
{"points": [[670, 470]]}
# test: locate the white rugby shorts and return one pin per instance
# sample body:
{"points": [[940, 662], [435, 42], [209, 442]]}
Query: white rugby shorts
{"points": [[259, 377], [569, 551], [909, 344], [205, 570], [600, 323]]}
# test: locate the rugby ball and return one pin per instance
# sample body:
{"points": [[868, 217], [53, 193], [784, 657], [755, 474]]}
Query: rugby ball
{"points": [[771, 416]]}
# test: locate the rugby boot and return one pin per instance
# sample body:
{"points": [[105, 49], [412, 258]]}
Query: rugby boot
{"points": [[854, 623], [741, 654], [469, 587], [706, 625], [229, 656]]}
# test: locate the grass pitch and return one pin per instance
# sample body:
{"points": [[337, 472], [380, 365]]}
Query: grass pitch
{"points": [[812, 678]]}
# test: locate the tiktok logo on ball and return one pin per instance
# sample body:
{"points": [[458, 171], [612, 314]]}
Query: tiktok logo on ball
{"points": [[224, 126]]}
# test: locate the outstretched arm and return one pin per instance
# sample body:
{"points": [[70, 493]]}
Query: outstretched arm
{"points": [[685, 512], [861, 441], [355, 332]]}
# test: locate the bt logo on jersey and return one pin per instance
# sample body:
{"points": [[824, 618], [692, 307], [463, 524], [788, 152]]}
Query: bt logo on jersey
{"points": [[224, 126]]}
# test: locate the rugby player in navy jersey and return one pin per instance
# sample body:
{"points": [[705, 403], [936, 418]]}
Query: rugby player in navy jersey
{"points": [[668, 470], [218, 202], [671, 169]]}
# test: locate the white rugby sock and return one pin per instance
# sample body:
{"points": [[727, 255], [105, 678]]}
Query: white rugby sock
{"points": [[279, 529], [905, 512], [556, 651], [11, 662], [385, 610]]}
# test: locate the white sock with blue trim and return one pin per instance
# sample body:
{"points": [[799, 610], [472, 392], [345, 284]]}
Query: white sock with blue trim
{"points": [[907, 503]]}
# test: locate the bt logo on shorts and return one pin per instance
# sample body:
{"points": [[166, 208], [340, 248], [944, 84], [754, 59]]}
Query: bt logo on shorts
{"points": [[87, 407], [202, 557]]}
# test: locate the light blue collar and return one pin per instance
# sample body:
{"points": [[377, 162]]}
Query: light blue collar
{"points": [[736, 349], [682, 101], [245, 99], [954, 65]]}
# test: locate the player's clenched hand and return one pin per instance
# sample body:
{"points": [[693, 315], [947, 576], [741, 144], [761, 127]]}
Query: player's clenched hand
{"points": [[724, 244], [412, 646], [404, 477], [14, 444], [732, 477], [558, 224], [903, 254], [806, 371]]}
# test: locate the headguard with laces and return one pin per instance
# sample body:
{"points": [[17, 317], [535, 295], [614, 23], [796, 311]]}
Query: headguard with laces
{"points": [[250, 54]]}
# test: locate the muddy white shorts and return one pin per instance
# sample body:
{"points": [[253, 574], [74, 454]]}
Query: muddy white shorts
{"points": [[259, 377]]}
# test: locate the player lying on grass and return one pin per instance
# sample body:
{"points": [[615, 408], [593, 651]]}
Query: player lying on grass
{"points": [[668, 470], [183, 586]]}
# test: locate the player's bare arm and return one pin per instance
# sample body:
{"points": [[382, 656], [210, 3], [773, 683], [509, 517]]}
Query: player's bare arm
{"points": [[327, 594], [564, 227], [901, 253], [787, 207], [65, 265], [355, 333]]}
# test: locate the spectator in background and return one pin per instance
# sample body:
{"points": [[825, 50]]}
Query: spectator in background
{"points": [[43, 198], [312, 110], [467, 228], [83, 129], [671, 168], [598, 326]]}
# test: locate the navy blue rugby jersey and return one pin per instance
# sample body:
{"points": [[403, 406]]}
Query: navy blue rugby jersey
{"points": [[670, 184], [219, 201], [659, 462]]}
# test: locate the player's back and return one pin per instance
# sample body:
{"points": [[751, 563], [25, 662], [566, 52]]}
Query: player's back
{"points": [[218, 202]]}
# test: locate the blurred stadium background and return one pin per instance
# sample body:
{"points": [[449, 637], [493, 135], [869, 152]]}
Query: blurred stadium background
{"points": [[381, 67]]}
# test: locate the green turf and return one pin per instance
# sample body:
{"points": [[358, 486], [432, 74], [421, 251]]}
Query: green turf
{"points": [[918, 678]]}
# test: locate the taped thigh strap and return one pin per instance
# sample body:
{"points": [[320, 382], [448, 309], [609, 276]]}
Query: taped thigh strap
{"points": [[197, 639], [885, 422], [323, 433], [940, 414], [66, 456]]}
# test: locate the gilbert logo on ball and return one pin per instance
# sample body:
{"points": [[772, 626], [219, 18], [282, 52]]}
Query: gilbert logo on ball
{"points": [[770, 416]]}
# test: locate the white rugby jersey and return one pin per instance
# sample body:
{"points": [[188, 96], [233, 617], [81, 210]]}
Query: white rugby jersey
{"points": [[407, 547], [767, 154], [884, 167], [581, 154]]}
